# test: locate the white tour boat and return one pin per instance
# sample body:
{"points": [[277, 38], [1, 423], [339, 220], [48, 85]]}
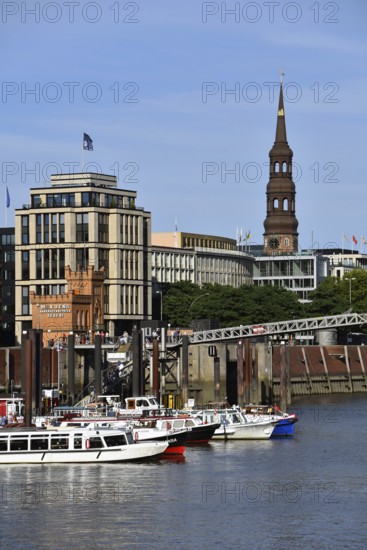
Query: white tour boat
{"points": [[78, 444]]}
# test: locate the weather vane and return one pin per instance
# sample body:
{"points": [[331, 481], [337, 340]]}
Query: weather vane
{"points": [[281, 75]]}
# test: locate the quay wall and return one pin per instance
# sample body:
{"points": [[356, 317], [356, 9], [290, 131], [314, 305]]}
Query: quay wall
{"points": [[310, 370]]}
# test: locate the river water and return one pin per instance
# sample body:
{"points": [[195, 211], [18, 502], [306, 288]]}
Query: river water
{"points": [[308, 491]]}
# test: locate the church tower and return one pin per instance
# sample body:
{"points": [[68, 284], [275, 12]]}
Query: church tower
{"points": [[280, 235]]}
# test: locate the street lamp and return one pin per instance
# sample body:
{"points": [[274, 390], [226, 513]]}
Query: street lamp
{"points": [[197, 298], [160, 292], [350, 289]]}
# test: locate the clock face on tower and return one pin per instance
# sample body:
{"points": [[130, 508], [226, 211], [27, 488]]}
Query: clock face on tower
{"points": [[274, 243]]}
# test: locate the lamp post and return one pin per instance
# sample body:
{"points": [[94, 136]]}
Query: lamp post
{"points": [[197, 298], [160, 292], [350, 289]]}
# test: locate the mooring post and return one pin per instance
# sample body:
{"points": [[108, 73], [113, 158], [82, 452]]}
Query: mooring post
{"points": [[156, 368], [71, 368], [240, 373], [283, 377], [97, 365], [28, 382], [185, 369]]}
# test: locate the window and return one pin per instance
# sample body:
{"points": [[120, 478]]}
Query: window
{"points": [[25, 230], [59, 442], [25, 265], [18, 444], [39, 443], [95, 443], [62, 228], [46, 228], [115, 440], [103, 228], [82, 234], [25, 306], [78, 438]]}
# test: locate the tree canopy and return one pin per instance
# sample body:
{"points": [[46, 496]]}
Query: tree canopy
{"points": [[185, 301]]}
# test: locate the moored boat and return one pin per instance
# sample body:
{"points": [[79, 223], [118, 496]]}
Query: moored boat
{"points": [[176, 438], [235, 425], [198, 431], [67, 445], [142, 430], [285, 422]]}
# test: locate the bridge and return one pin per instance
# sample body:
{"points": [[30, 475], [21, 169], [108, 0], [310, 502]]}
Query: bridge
{"points": [[282, 327]]}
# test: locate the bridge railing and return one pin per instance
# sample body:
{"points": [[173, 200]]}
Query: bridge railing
{"points": [[282, 327]]}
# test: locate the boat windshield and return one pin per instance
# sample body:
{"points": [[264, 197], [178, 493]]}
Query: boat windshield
{"points": [[115, 440]]}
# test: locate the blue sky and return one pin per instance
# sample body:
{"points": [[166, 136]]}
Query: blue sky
{"points": [[150, 81]]}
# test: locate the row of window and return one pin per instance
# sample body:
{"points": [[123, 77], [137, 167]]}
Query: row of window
{"points": [[50, 264], [58, 442], [86, 198], [231, 279], [283, 205], [50, 228], [8, 238], [282, 168], [285, 268]]}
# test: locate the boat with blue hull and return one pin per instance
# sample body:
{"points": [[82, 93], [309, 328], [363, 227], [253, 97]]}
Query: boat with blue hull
{"points": [[286, 422]]}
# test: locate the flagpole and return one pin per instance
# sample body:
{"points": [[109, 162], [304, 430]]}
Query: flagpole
{"points": [[83, 154]]}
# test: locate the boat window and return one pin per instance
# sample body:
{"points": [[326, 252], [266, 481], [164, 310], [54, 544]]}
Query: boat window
{"points": [[78, 439], [3, 444], [95, 443], [178, 424], [190, 422], [115, 440], [18, 444], [39, 443], [129, 437], [59, 442]]}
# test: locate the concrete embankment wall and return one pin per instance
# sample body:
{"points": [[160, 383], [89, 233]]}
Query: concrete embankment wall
{"points": [[310, 370]]}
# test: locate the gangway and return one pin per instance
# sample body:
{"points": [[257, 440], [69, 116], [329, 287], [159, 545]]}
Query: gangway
{"points": [[282, 327]]}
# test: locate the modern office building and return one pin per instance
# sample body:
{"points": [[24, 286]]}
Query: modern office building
{"points": [[84, 220], [178, 256], [299, 273]]}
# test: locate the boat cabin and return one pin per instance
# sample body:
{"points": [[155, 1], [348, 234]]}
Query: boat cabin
{"points": [[148, 402], [28, 440]]}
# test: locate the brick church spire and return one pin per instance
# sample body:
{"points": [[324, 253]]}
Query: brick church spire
{"points": [[281, 235]]}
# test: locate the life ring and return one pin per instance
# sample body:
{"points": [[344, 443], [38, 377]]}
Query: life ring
{"points": [[136, 436], [87, 443]]}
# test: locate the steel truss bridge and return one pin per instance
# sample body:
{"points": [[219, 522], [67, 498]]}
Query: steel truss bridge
{"points": [[282, 327]]}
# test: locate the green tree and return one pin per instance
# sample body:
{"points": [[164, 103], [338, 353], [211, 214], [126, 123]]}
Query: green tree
{"points": [[248, 304]]}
